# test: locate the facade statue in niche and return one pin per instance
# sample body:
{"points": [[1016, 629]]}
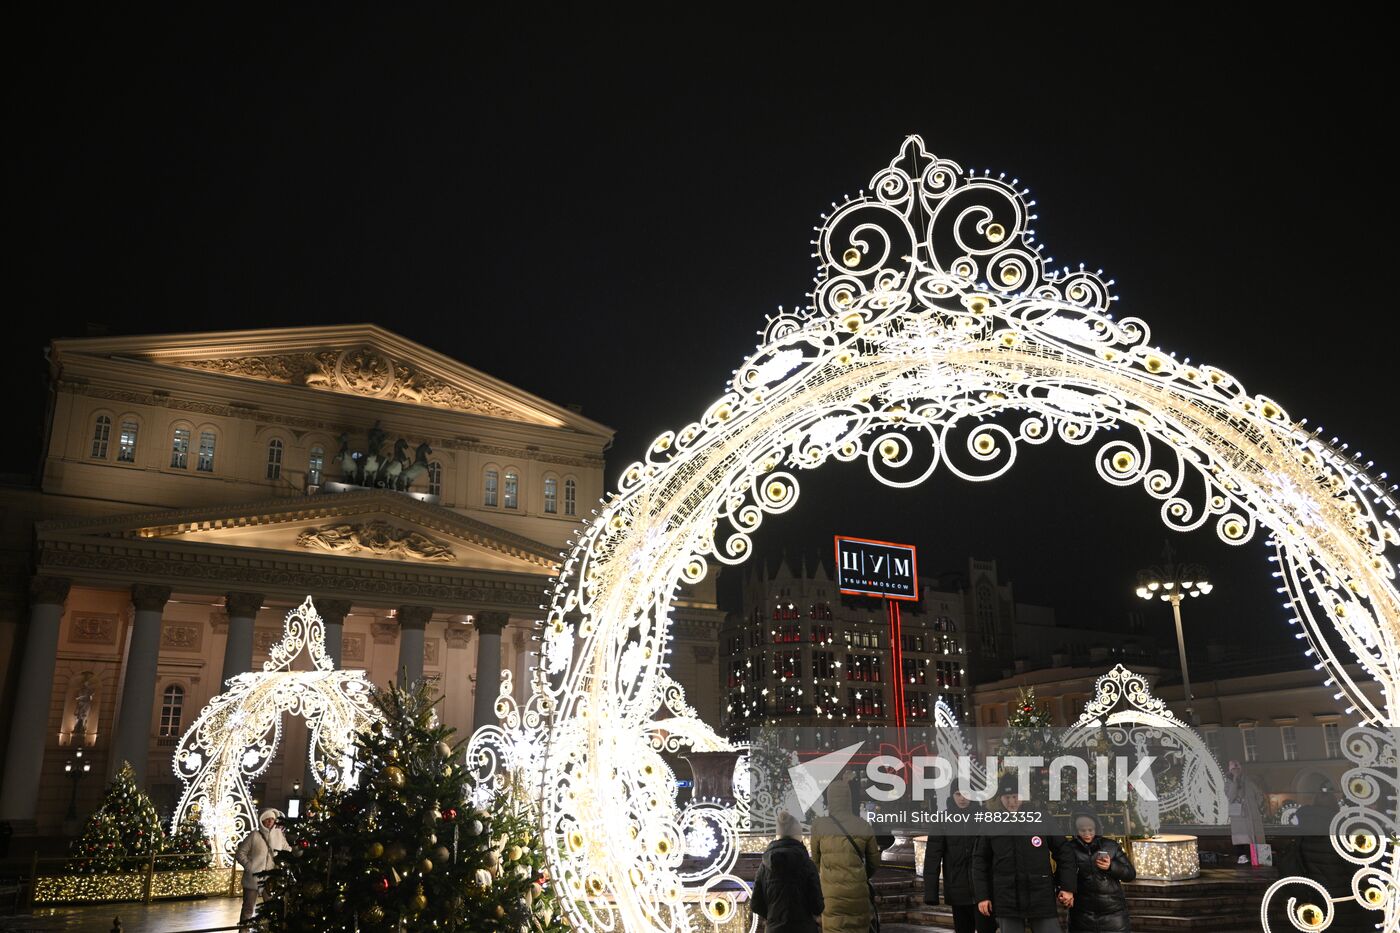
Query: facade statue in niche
{"points": [[371, 467], [378, 538], [82, 704]]}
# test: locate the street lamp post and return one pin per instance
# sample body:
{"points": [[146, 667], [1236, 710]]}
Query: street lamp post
{"points": [[1171, 582], [76, 768]]}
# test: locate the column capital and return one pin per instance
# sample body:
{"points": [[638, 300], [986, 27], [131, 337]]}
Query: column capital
{"points": [[414, 617], [385, 633], [458, 636], [333, 611], [243, 605], [218, 620], [49, 591], [149, 597], [491, 622]]}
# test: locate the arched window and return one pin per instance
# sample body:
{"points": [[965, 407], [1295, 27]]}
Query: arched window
{"points": [[180, 449], [551, 495], [274, 459], [315, 465], [101, 434], [126, 442], [206, 452], [570, 497], [435, 479], [489, 491], [172, 705], [512, 496]]}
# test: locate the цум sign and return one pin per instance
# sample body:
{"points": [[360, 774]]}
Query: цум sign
{"points": [[876, 568]]}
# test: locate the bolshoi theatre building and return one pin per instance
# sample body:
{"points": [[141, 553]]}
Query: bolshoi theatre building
{"points": [[196, 487]]}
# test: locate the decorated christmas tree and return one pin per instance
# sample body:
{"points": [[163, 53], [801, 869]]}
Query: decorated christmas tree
{"points": [[123, 829], [1029, 734], [190, 843], [405, 848]]}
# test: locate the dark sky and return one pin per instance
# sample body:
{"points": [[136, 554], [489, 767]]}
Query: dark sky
{"points": [[607, 220]]}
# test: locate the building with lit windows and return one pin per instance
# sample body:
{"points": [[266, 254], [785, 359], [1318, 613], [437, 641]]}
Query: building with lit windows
{"points": [[801, 654], [195, 487]]}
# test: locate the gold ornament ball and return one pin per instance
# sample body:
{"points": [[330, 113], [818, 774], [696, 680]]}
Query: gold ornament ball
{"points": [[374, 850], [426, 866], [500, 911], [513, 853], [372, 915], [441, 854], [395, 776], [444, 750]]}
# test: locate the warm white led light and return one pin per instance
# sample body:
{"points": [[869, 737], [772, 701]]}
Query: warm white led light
{"points": [[919, 350]]}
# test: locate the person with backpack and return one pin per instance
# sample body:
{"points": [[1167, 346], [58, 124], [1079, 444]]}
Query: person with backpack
{"points": [[787, 894], [846, 854], [1092, 870]]}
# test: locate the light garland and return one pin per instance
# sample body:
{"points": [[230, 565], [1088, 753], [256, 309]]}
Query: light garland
{"points": [[237, 735], [935, 319]]}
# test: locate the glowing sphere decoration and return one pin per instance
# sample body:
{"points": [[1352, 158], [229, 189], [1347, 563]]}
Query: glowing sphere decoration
{"points": [[937, 335]]}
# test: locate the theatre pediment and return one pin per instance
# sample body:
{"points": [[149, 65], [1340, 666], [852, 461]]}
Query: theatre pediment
{"points": [[374, 525], [359, 360]]}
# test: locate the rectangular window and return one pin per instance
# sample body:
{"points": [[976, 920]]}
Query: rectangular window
{"points": [[916, 704], [788, 664], [512, 497], [180, 449], [489, 497], [206, 452], [1332, 736], [126, 442], [551, 496], [949, 674], [1251, 751], [1290, 743], [823, 664], [916, 670], [171, 709], [1212, 737], [570, 497]]}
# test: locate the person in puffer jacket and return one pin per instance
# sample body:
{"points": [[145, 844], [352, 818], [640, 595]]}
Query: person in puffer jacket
{"points": [[257, 854], [844, 848], [950, 855], [1011, 875], [787, 893], [1092, 870]]}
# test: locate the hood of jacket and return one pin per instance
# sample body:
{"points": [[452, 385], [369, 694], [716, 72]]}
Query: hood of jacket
{"points": [[784, 855], [838, 798]]}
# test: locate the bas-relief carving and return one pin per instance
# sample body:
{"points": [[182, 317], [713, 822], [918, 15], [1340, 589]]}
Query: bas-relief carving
{"points": [[378, 538], [93, 628], [264, 639], [431, 651], [182, 636], [385, 633], [359, 371], [458, 636], [352, 647]]}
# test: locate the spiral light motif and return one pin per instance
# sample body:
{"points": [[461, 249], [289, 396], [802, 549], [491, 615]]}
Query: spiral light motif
{"points": [[937, 336]]}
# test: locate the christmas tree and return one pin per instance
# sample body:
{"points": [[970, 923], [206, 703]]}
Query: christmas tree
{"points": [[405, 848], [123, 829], [1028, 735], [190, 843]]}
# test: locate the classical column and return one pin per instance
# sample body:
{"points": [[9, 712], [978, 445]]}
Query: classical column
{"points": [[412, 621], [488, 667], [24, 755], [333, 613], [242, 609], [133, 733]]}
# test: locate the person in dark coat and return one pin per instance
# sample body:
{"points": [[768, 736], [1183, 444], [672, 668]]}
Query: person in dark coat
{"points": [[1011, 875], [951, 854], [787, 894], [1092, 870], [1313, 856]]}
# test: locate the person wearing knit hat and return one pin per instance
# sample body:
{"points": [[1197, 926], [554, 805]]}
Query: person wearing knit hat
{"points": [[257, 854], [1011, 874], [787, 892]]}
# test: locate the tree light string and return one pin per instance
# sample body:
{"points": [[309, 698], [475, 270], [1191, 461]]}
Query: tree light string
{"points": [[937, 334]]}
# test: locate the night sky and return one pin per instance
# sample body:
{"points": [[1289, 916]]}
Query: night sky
{"points": [[608, 220]]}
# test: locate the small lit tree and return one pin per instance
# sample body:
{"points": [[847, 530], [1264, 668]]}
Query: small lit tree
{"points": [[124, 827], [190, 843]]}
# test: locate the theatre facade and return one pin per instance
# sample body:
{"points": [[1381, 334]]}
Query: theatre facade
{"points": [[195, 487]]}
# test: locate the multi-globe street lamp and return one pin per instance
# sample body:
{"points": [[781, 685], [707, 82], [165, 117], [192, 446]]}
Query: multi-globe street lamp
{"points": [[1171, 582]]}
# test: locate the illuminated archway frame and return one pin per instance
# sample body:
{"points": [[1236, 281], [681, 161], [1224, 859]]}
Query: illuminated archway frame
{"points": [[934, 315], [1123, 700], [237, 735]]}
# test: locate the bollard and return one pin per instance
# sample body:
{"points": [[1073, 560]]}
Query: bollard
{"points": [[116, 925]]}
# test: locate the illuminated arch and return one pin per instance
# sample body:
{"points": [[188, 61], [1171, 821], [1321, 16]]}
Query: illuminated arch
{"points": [[1123, 704], [238, 733], [936, 335]]}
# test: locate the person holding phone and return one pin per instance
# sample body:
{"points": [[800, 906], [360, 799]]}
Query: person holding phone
{"points": [[1092, 870]]}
